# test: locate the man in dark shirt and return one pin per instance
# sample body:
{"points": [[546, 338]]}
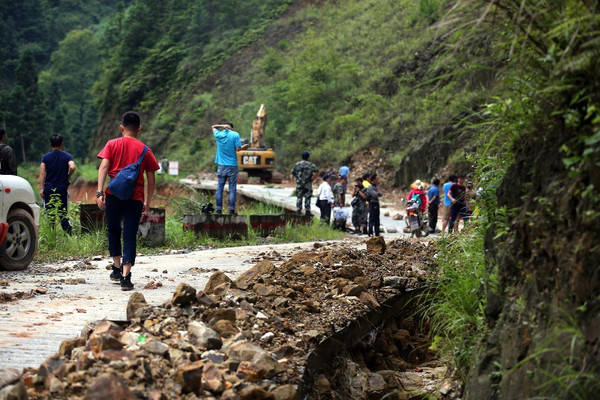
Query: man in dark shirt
{"points": [[433, 201], [8, 159], [373, 195], [55, 170], [457, 195]]}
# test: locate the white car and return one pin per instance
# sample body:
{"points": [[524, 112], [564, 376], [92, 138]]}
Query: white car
{"points": [[19, 223]]}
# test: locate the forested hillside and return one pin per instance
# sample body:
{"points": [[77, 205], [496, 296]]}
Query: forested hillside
{"points": [[49, 60], [337, 79]]}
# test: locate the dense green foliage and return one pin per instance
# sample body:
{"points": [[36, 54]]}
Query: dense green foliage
{"points": [[335, 79], [48, 62], [537, 161]]}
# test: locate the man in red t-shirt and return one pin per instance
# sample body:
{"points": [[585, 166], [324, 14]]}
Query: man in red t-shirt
{"points": [[117, 154]]}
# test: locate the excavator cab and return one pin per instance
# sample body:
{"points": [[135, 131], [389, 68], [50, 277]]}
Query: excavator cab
{"points": [[258, 160]]}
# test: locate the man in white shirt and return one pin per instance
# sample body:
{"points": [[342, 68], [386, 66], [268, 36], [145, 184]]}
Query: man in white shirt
{"points": [[325, 199]]}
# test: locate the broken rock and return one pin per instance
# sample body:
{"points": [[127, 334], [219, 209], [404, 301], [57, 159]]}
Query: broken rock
{"points": [[212, 378], [262, 268], [109, 386], [9, 376], [217, 280], [16, 391], [137, 307], [189, 376], [184, 295], [376, 245], [67, 346], [204, 336], [353, 290], [156, 347], [285, 392], [225, 328], [367, 299]]}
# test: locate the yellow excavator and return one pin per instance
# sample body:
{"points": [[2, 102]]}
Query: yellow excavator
{"points": [[258, 160]]}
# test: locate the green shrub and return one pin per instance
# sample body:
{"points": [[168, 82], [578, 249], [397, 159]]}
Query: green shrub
{"points": [[454, 302]]}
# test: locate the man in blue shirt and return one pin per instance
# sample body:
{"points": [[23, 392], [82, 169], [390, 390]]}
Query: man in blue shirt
{"points": [[228, 143], [433, 201], [55, 170], [447, 203], [344, 171]]}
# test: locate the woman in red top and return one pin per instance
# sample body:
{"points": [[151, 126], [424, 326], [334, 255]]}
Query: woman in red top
{"points": [[418, 190]]}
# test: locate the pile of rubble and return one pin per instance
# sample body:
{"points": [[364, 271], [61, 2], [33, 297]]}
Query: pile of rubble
{"points": [[242, 339]]}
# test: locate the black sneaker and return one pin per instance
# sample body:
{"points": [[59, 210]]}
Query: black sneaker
{"points": [[232, 212], [126, 282], [116, 274], [219, 212]]}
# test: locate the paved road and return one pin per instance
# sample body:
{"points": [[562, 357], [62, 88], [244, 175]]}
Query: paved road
{"points": [[282, 197], [32, 329]]}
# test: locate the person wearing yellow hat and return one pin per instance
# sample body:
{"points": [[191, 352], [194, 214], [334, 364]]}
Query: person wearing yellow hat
{"points": [[417, 193]]}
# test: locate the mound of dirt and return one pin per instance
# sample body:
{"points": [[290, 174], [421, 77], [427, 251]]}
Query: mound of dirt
{"points": [[242, 339]]}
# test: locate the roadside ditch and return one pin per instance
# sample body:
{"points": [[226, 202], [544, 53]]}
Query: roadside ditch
{"points": [[331, 323]]}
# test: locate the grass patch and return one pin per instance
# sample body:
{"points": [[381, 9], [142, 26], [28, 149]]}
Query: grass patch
{"points": [[55, 245], [455, 305]]}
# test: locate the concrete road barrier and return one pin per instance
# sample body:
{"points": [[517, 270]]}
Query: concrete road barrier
{"points": [[217, 225], [152, 227], [294, 219], [267, 224]]}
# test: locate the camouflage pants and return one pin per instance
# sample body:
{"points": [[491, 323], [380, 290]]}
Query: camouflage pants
{"points": [[303, 192]]}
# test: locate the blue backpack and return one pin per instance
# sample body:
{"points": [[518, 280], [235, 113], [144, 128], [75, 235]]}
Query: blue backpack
{"points": [[416, 198], [123, 184]]}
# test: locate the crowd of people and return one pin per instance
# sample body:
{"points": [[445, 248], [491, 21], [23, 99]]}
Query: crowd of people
{"points": [[451, 202], [331, 196]]}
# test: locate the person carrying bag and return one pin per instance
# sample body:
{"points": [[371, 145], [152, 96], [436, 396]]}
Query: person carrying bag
{"points": [[123, 184], [124, 199]]}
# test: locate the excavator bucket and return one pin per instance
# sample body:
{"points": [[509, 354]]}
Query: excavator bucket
{"points": [[258, 160], [258, 128]]}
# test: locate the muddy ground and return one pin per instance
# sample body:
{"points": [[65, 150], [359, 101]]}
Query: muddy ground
{"points": [[334, 321]]}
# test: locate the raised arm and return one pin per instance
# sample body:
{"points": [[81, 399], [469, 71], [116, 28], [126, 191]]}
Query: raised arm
{"points": [[71, 168], [42, 179]]}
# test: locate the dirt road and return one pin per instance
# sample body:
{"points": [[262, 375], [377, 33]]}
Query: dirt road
{"points": [[64, 297]]}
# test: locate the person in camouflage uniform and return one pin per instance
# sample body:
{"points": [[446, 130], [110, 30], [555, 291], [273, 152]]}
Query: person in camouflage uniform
{"points": [[359, 207], [339, 190], [303, 172]]}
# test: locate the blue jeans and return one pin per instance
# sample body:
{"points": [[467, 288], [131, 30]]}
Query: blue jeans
{"points": [[227, 172], [130, 211]]}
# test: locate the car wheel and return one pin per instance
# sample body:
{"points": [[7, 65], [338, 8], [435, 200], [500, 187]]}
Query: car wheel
{"points": [[20, 244]]}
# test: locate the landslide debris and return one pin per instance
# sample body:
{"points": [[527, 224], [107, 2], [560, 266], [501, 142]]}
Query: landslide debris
{"points": [[242, 339]]}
